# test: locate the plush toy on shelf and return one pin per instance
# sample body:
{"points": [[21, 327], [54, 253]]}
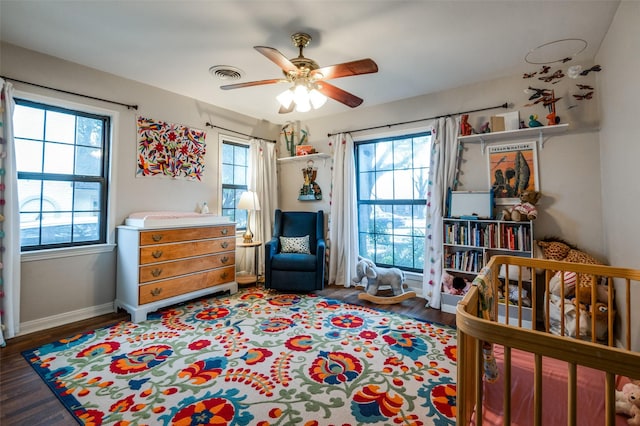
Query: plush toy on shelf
{"points": [[465, 127], [628, 402], [454, 285], [533, 121], [526, 209]]}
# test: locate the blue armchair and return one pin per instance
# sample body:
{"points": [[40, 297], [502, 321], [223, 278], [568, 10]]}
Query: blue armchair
{"points": [[295, 269]]}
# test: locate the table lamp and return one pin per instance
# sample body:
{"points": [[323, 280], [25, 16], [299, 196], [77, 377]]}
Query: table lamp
{"points": [[248, 201]]}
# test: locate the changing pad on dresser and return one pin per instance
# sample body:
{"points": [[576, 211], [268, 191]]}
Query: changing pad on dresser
{"points": [[161, 219]]}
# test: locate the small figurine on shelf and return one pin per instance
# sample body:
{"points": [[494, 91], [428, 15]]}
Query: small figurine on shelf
{"points": [[310, 189], [465, 127], [485, 128], [533, 121]]}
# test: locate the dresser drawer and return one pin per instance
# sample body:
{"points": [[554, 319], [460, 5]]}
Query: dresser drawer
{"points": [[165, 289], [164, 252], [159, 271], [161, 236]]}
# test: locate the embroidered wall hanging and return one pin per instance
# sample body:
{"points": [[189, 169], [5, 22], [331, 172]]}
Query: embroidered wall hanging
{"points": [[170, 150]]}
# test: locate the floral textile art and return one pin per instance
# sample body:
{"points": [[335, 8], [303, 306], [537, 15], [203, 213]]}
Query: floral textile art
{"points": [[257, 357], [170, 150]]}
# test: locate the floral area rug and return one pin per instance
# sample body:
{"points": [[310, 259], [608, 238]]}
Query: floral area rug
{"points": [[257, 358]]}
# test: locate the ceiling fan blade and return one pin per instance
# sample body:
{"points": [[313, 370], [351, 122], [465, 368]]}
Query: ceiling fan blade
{"points": [[252, 83], [363, 66], [338, 94], [277, 58]]}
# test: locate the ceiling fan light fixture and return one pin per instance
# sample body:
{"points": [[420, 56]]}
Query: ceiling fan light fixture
{"points": [[317, 99], [285, 98], [303, 105], [301, 94]]}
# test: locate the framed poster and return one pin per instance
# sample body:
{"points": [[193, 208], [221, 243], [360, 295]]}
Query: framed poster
{"points": [[513, 168]]}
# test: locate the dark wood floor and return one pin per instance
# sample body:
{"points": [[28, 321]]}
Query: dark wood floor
{"points": [[26, 400]]}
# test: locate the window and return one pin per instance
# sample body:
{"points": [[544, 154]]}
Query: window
{"points": [[235, 178], [62, 163], [392, 175]]}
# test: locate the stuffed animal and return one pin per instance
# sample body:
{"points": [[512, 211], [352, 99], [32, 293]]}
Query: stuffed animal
{"points": [[454, 285], [628, 402], [526, 209], [465, 127], [377, 276], [557, 249]]}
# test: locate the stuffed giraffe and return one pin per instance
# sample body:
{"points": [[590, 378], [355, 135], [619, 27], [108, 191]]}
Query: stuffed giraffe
{"points": [[555, 249]]}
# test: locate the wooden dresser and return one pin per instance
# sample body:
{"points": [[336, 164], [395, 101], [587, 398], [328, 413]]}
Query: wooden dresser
{"points": [[162, 267]]}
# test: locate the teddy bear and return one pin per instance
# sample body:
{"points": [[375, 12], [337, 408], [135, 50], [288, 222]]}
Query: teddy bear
{"points": [[526, 209], [628, 402]]}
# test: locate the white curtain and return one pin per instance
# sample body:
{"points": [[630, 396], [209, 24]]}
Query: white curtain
{"points": [[343, 217], [10, 224], [442, 175], [264, 181]]}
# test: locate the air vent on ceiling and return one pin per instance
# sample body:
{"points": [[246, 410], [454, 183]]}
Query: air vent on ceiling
{"points": [[226, 72]]}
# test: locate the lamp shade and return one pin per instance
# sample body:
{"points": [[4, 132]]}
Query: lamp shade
{"points": [[249, 201]]}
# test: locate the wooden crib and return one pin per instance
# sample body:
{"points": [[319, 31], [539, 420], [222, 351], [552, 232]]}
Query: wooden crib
{"points": [[484, 333]]}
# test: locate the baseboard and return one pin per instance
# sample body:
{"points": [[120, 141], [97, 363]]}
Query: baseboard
{"points": [[65, 318]]}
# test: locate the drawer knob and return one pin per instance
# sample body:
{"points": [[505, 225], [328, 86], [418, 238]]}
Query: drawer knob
{"points": [[156, 254], [225, 259], [225, 244], [156, 272], [224, 275], [156, 237], [224, 231], [156, 291]]}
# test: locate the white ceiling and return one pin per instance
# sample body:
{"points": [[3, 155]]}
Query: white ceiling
{"points": [[420, 46]]}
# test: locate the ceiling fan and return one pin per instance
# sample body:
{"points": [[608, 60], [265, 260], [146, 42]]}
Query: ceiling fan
{"points": [[310, 87]]}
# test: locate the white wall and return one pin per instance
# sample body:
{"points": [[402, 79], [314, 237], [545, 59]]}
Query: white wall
{"points": [[620, 145], [82, 283], [569, 163]]}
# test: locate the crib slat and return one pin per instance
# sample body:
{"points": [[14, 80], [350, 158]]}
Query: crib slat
{"points": [[537, 391], [610, 311], [572, 394], [547, 277], [534, 299], [479, 370], [628, 306], [594, 297], [507, 385], [610, 399], [562, 301]]}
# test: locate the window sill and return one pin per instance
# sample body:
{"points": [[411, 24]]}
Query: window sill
{"points": [[31, 256]]}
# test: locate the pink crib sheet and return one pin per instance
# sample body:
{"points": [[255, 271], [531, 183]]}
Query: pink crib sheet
{"points": [[590, 393]]}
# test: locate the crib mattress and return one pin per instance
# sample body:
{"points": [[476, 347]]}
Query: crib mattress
{"points": [[590, 388], [165, 219]]}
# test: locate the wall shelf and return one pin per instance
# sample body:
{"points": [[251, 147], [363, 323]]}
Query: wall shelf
{"points": [[539, 132], [307, 157]]}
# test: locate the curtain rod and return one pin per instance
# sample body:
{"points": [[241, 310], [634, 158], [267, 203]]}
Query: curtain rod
{"points": [[240, 133], [70, 93], [504, 105]]}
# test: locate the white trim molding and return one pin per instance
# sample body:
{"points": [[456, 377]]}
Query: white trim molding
{"points": [[65, 318]]}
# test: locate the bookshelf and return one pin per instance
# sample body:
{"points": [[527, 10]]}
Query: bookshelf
{"points": [[469, 244]]}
